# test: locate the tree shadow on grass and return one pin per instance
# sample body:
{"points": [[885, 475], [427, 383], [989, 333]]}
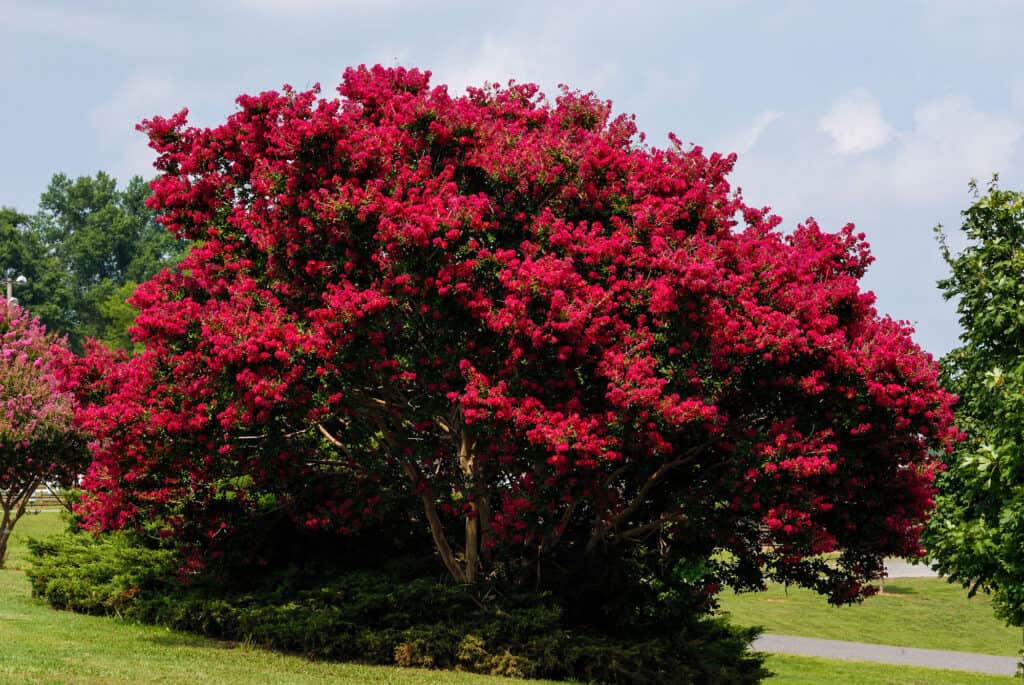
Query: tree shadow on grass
{"points": [[896, 590], [187, 640]]}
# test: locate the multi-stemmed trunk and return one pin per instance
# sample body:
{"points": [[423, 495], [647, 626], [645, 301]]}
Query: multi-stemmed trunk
{"points": [[13, 503]]}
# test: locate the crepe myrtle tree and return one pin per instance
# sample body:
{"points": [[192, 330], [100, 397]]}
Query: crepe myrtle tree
{"points": [[38, 442], [513, 327]]}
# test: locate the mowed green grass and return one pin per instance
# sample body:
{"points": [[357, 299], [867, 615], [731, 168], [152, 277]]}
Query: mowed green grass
{"points": [[912, 612], [35, 526], [41, 646], [800, 670]]}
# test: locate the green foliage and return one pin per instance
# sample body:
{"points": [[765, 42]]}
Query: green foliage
{"points": [[83, 253], [977, 533], [79, 574], [46, 291], [387, 617], [117, 314], [101, 233], [40, 645], [106, 240]]}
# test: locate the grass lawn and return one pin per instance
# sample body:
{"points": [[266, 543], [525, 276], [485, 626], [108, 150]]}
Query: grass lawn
{"points": [[40, 645], [794, 670], [914, 612]]}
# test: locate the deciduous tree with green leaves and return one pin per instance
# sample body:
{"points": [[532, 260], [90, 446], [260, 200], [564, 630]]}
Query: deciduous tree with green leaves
{"points": [[976, 536], [46, 290], [83, 254]]}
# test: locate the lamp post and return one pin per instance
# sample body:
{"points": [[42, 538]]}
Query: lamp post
{"points": [[9, 282]]}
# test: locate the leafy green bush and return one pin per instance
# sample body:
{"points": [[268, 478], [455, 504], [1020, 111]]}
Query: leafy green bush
{"points": [[78, 573], [386, 616]]}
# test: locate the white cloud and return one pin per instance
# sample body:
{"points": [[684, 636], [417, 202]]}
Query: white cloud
{"points": [[543, 54], [855, 123], [926, 164], [950, 142], [494, 61], [744, 140]]}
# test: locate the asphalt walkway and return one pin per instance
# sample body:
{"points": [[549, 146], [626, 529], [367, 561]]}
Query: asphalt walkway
{"points": [[886, 654], [899, 568], [904, 656]]}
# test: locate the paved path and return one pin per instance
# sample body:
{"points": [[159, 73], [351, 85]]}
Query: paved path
{"points": [[899, 568], [905, 656]]}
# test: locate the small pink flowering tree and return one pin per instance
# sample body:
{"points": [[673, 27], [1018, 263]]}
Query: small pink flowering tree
{"points": [[38, 443]]}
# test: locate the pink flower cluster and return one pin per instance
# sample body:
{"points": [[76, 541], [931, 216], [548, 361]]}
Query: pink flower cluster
{"points": [[38, 441]]}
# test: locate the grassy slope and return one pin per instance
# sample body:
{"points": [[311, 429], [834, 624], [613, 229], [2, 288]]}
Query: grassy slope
{"points": [[40, 645], [913, 612]]}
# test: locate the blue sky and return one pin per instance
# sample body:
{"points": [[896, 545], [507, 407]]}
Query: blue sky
{"points": [[872, 112]]}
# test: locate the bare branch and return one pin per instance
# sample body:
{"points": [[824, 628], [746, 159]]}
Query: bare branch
{"points": [[601, 531], [330, 438], [62, 501], [563, 524], [429, 507], [436, 529], [647, 528]]}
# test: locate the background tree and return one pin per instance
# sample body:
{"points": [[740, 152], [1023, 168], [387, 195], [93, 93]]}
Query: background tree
{"points": [[976, 536], [511, 329], [38, 443], [46, 291], [105, 241]]}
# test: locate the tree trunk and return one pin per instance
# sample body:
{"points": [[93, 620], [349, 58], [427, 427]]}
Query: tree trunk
{"points": [[472, 544], [479, 514], [5, 534], [415, 477], [436, 529], [13, 505], [7, 523]]}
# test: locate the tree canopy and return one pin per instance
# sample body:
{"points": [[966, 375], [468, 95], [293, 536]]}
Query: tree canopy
{"points": [[83, 253], [38, 441], [976, 536], [105, 240], [45, 290], [510, 327]]}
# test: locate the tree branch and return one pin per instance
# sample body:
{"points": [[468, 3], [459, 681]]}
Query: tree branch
{"points": [[412, 472], [600, 532], [436, 529]]}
